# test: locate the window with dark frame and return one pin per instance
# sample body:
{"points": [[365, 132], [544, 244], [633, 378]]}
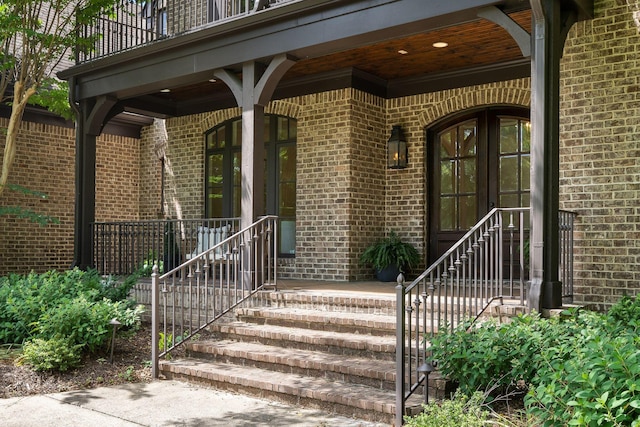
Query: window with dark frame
{"points": [[223, 159]]}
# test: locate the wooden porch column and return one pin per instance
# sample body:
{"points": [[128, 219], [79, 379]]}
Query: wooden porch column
{"points": [[85, 193], [89, 123], [253, 151], [550, 26], [252, 94]]}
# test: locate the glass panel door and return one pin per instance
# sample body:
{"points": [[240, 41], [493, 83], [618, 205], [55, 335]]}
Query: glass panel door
{"points": [[477, 161]]}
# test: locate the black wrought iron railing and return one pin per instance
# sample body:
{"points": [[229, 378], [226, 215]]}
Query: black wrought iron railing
{"points": [[123, 248], [137, 23]]}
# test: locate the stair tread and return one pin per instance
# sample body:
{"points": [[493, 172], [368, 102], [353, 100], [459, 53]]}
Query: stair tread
{"points": [[354, 365], [305, 335], [348, 394], [337, 317]]}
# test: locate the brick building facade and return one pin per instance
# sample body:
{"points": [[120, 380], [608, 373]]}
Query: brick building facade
{"points": [[45, 163], [346, 197]]}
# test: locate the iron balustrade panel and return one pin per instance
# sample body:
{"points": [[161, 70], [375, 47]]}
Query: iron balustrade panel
{"points": [[567, 222], [123, 248], [132, 24]]}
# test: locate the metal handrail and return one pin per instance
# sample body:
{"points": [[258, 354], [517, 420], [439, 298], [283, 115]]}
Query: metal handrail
{"points": [[190, 297], [489, 263]]}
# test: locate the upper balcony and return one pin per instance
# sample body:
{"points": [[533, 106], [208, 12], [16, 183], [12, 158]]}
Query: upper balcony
{"points": [[136, 24]]}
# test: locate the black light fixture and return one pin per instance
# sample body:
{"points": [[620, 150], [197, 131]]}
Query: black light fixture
{"points": [[426, 368], [396, 149]]}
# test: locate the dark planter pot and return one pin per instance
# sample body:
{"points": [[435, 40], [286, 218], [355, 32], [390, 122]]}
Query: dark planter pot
{"points": [[388, 274]]}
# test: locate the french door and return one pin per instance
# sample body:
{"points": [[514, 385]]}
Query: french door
{"points": [[476, 161]]}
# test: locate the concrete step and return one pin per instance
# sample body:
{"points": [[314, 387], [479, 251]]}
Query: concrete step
{"points": [[334, 321], [379, 374], [352, 400], [346, 344]]}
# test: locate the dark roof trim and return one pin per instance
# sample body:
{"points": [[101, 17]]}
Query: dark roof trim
{"points": [[458, 78], [40, 115], [127, 125]]}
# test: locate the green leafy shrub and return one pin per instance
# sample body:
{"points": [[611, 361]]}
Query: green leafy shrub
{"points": [[85, 322], [146, 267], [593, 379], [505, 357], [74, 307], [625, 313], [52, 354], [460, 411], [115, 290], [489, 355], [581, 368], [23, 299]]}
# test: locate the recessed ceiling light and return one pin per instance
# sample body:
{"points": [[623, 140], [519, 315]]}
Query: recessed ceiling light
{"points": [[402, 52], [165, 90], [212, 80], [440, 44]]}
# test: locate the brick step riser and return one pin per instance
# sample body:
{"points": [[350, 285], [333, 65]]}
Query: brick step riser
{"points": [[342, 350], [375, 381], [318, 325], [274, 394], [331, 304]]}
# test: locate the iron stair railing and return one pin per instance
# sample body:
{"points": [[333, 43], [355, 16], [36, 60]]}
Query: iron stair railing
{"points": [[189, 298], [486, 266]]}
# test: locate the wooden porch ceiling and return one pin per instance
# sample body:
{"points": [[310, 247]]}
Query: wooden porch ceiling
{"points": [[471, 47]]}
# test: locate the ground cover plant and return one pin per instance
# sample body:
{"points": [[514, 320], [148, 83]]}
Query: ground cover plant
{"points": [[581, 368], [57, 317]]}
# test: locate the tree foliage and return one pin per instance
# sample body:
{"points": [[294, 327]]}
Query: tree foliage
{"points": [[35, 36]]}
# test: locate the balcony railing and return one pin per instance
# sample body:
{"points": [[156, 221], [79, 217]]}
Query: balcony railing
{"points": [[134, 24], [123, 248], [484, 268]]}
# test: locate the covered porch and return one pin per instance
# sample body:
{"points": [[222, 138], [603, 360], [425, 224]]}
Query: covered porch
{"points": [[308, 46]]}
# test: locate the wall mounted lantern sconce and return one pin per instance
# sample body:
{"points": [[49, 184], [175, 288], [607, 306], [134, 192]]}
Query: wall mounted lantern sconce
{"points": [[396, 149]]}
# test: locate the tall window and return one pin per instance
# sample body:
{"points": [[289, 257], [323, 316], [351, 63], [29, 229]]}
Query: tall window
{"points": [[223, 190]]}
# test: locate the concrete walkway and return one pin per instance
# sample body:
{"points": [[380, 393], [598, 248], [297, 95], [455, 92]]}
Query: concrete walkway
{"points": [[160, 403]]}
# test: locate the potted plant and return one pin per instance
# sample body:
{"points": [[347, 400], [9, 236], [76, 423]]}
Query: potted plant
{"points": [[390, 256]]}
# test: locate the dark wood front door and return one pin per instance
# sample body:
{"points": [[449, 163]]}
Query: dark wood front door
{"points": [[477, 160]]}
